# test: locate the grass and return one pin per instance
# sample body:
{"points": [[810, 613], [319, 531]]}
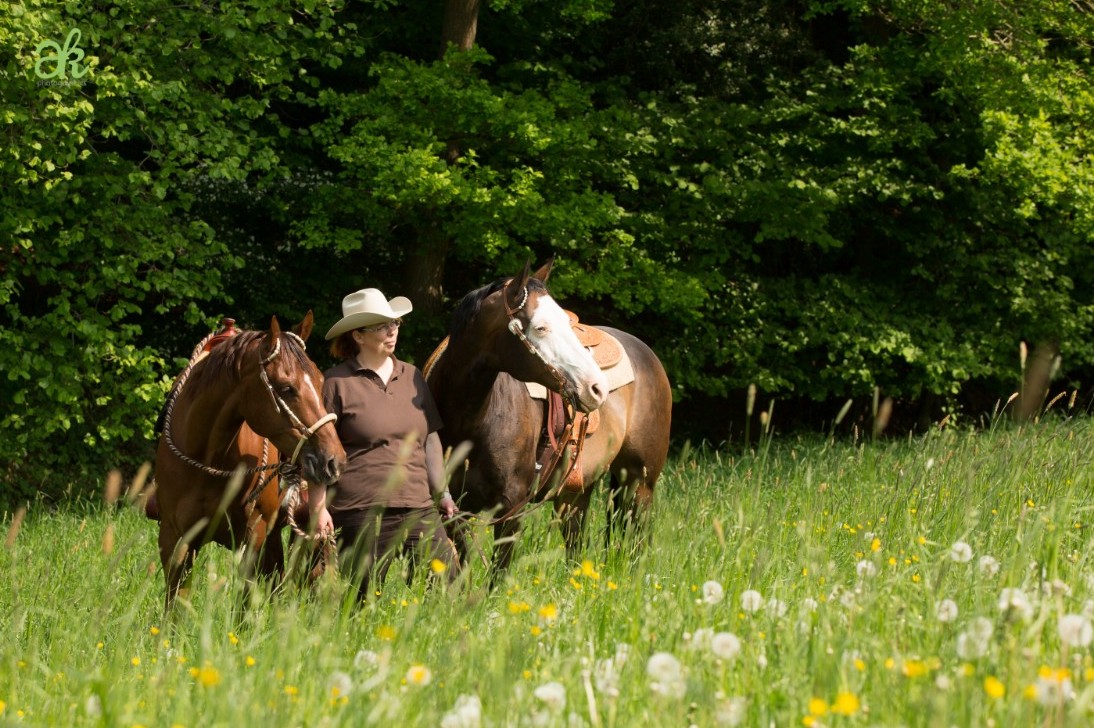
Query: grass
{"points": [[850, 547]]}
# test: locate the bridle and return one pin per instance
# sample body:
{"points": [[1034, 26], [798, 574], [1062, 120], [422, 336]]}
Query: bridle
{"points": [[287, 468], [516, 327], [283, 407]]}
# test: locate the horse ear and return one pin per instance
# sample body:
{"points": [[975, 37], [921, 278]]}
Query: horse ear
{"points": [[303, 329], [516, 289], [275, 328], [545, 270]]}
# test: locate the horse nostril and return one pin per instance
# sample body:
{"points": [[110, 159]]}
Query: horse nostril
{"points": [[597, 392]]}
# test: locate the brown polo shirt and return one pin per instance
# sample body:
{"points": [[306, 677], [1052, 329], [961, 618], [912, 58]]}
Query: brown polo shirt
{"points": [[373, 422]]}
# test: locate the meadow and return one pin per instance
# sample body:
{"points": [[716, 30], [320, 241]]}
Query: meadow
{"points": [[937, 580]]}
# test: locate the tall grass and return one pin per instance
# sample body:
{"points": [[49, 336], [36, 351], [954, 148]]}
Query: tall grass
{"points": [[832, 559]]}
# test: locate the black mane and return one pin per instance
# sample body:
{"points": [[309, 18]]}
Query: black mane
{"points": [[468, 307]]}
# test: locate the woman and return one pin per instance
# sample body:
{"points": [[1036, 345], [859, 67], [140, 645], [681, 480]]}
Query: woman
{"points": [[384, 503]]}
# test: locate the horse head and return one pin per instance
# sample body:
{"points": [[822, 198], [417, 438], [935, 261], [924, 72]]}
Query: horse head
{"points": [[282, 402], [532, 340]]}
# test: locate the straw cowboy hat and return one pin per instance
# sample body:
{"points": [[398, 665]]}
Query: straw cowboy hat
{"points": [[367, 307]]}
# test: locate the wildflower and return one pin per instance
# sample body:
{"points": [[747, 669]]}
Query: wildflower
{"points": [[875, 545], [701, 639], [776, 607], [1075, 630], [846, 704], [93, 706], [666, 675], [914, 668], [865, 569], [386, 632], [725, 646], [419, 675], [975, 641], [989, 567], [809, 604], [818, 707], [207, 676], [548, 612], [339, 685], [994, 688], [730, 712], [751, 601], [153, 630], [552, 695], [467, 713], [1015, 600], [961, 552], [250, 661], [713, 592], [587, 570], [365, 659], [606, 677], [1053, 687], [946, 611], [437, 566]]}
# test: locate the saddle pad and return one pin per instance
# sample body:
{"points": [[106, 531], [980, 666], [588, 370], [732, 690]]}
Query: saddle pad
{"points": [[619, 374]]}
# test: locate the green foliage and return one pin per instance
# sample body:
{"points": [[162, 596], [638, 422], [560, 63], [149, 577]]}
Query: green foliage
{"points": [[821, 199]]}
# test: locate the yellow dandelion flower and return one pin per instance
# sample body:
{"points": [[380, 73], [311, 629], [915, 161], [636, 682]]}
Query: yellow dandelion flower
{"points": [[386, 632], [914, 668], [890, 663], [99, 645], [548, 612], [994, 687], [588, 570], [1088, 674], [612, 585], [3, 707], [916, 577], [846, 704], [153, 630], [536, 631], [136, 661], [194, 672], [526, 674], [818, 707], [292, 691], [968, 669], [575, 583], [437, 566], [921, 540], [859, 664], [519, 607], [249, 662], [208, 676], [232, 638], [809, 721], [1030, 692], [892, 561]]}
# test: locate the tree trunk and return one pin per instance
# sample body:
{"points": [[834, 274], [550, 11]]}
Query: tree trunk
{"points": [[425, 266]]}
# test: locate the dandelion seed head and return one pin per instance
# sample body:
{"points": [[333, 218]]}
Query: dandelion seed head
{"points": [[725, 646], [1075, 630], [989, 567], [713, 592], [946, 611], [552, 695], [961, 552], [751, 601]]}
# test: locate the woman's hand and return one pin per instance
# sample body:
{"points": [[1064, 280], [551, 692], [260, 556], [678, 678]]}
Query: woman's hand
{"points": [[324, 524], [447, 506]]}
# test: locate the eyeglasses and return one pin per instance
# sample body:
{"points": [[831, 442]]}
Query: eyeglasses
{"points": [[385, 326]]}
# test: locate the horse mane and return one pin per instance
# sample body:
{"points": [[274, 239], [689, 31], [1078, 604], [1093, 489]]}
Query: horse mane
{"points": [[226, 359], [468, 307]]}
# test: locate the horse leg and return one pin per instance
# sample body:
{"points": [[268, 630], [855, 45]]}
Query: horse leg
{"points": [[631, 498], [177, 559], [571, 511], [505, 536]]}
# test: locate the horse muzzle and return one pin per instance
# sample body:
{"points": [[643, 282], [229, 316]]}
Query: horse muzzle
{"points": [[321, 468]]}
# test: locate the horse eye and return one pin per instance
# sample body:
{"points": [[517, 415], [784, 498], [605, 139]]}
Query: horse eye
{"points": [[288, 391], [541, 330]]}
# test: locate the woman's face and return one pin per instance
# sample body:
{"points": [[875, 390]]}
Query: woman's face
{"points": [[379, 339]]}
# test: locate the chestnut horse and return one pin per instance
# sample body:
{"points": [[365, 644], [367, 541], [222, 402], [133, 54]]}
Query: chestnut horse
{"points": [[512, 332], [254, 396]]}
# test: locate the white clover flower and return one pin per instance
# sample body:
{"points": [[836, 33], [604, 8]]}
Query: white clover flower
{"points": [[989, 567], [339, 684], [976, 639], [1075, 630], [552, 695], [776, 607], [713, 592], [1015, 600], [730, 712], [752, 601], [700, 639], [961, 552], [666, 675], [1053, 690], [865, 569], [606, 677], [725, 646], [946, 611], [365, 659], [467, 713]]}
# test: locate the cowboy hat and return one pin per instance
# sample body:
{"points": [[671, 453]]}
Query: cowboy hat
{"points": [[367, 307]]}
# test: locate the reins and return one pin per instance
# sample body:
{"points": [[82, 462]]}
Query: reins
{"points": [[288, 471]]}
